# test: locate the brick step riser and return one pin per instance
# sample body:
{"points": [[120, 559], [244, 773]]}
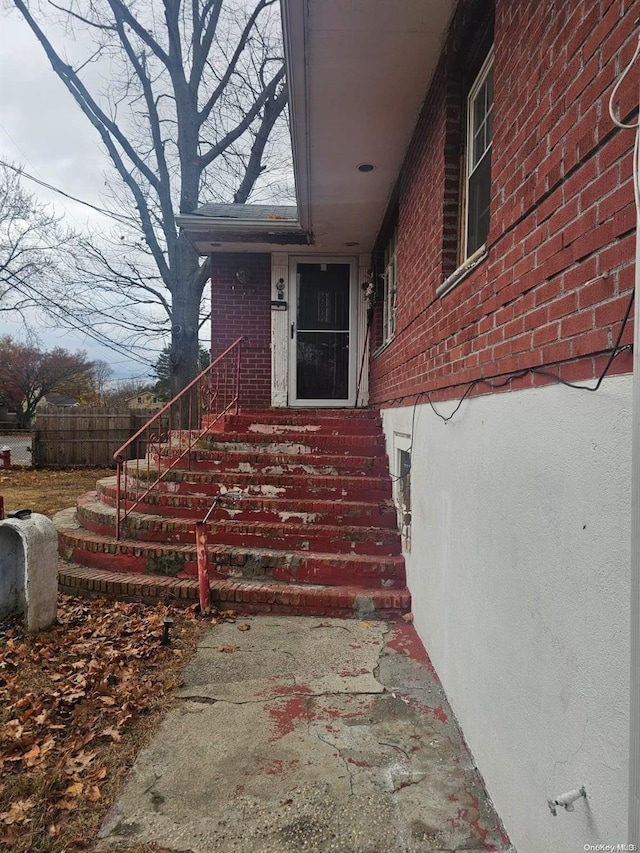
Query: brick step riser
{"points": [[306, 415], [367, 542], [265, 463], [290, 568], [291, 445], [243, 597], [326, 513], [298, 487]]}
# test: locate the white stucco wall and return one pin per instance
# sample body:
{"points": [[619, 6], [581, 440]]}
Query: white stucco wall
{"points": [[519, 570]]}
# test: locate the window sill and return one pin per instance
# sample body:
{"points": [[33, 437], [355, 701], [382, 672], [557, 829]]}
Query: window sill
{"points": [[383, 346], [463, 270]]}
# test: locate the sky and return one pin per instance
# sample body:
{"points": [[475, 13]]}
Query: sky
{"points": [[42, 130]]}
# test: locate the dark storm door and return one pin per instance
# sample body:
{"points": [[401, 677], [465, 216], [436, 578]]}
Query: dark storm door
{"points": [[321, 332]]}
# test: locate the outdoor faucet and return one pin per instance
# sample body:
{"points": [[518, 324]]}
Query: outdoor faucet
{"points": [[566, 800]]}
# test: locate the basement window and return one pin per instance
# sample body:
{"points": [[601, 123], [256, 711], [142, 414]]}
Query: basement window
{"points": [[402, 487]]}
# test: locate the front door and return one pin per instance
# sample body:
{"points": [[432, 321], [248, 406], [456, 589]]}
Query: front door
{"points": [[321, 333]]}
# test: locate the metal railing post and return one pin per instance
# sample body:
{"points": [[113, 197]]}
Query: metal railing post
{"points": [[204, 590]]}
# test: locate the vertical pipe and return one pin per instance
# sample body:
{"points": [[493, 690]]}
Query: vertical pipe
{"points": [[238, 361], [634, 681], [634, 713], [204, 592], [118, 476]]}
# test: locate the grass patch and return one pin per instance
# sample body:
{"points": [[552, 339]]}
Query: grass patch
{"points": [[47, 491]]}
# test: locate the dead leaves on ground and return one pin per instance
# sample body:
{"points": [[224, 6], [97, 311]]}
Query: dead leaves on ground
{"points": [[67, 696]]}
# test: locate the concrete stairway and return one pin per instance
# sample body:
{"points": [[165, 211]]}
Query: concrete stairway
{"points": [[303, 521]]}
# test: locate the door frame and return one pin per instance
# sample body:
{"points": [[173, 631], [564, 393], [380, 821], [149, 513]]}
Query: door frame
{"points": [[352, 261]]}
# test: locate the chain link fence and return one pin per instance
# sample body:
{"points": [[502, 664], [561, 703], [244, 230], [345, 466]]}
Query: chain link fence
{"points": [[20, 446]]}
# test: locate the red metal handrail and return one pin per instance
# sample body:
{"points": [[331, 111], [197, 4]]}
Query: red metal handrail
{"points": [[204, 590], [172, 433]]}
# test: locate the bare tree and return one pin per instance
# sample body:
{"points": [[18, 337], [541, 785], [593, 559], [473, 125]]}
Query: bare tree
{"points": [[34, 246], [194, 92]]}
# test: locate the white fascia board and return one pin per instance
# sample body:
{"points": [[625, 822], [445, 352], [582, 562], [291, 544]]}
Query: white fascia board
{"points": [[295, 34], [210, 223]]}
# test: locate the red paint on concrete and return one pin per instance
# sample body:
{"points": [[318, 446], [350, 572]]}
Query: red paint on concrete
{"points": [[405, 641], [285, 716], [440, 714], [358, 763]]}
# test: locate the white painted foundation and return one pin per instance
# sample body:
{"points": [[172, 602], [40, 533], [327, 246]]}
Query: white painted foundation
{"points": [[520, 575]]}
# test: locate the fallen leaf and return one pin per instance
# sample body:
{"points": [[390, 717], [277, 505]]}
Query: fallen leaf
{"points": [[17, 812], [53, 830], [32, 757], [244, 627], [93, 794], [228, 649], [114, 734], [408, 617], [75, 789]]}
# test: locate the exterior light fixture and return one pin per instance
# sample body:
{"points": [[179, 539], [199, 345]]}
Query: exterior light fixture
{"points": [[352, 243], [366, 167]]}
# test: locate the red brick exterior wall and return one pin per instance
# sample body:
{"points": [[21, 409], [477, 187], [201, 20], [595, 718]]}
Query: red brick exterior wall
{"points": [[244, 310], [553, 290]]}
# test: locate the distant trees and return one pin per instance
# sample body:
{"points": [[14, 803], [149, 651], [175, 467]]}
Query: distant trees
{"points": [[162, 370], [28, 374], [120, 394]]}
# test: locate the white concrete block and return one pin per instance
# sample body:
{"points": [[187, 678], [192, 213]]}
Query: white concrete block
{"points": [[29, 569]]}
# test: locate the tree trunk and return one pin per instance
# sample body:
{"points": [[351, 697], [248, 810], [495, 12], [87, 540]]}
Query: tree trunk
{"points": [[184, 358]]}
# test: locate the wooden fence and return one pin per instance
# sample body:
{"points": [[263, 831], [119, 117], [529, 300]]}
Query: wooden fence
{"points": [[82, 438]]}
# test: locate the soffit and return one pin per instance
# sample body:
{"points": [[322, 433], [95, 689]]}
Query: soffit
{"points": [[358, 73]]}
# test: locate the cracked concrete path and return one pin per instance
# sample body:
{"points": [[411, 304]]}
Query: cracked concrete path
{"points": [[313, 735]]}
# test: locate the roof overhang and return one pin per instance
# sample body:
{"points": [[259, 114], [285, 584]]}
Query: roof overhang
{"points": [[243, 227], [358, 74]]}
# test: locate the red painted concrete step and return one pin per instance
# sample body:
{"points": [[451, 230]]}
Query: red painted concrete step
{"points": [[103, 552], [295, 443], [277, 425], [101, 518], [283, 486], [258, 461], [303, 511]]}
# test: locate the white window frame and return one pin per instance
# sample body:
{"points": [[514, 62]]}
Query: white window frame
{"points": [[472, 162], [390, 287]]}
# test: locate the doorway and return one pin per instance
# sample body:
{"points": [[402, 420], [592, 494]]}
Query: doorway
{"points": [[322, 332]]}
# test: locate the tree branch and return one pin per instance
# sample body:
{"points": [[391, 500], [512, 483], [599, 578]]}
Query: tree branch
{"points": [[242, 126], [273, 109]]}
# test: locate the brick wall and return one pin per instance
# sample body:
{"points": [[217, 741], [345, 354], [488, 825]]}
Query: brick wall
{"points": [[554, 287], [244, 310]]}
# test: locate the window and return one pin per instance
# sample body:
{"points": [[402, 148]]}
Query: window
{"points": [[390, 276], [479, 137], [402, 486]]}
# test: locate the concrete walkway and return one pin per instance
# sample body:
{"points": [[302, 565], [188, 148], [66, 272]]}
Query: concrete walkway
{"points": [[305, 734]]}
